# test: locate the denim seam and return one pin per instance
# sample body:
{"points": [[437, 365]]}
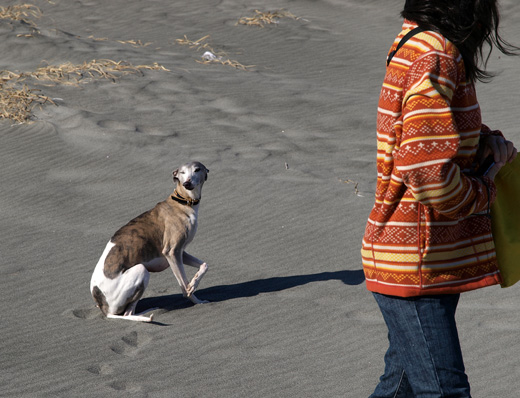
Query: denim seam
{"points": [[399, 384], [429, 350]]}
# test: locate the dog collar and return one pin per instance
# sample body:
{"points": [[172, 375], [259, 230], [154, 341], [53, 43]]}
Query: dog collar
{"points": [[185, 201]]}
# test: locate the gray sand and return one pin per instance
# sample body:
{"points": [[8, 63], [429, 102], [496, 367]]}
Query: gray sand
{"points": [[290, 144]]}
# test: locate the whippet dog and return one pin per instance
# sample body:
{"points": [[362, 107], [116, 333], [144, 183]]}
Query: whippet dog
{"points": [[152, 242]]}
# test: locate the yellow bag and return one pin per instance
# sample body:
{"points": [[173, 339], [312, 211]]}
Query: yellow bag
{"points": [[505, 222]]}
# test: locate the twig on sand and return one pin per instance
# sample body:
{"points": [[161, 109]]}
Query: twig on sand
{"points": [[356, 191]]}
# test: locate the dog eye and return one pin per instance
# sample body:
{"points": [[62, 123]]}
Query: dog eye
{"points": [[197, 170]]}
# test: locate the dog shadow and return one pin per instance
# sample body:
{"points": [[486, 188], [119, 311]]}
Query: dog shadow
{"points": [[250, 289]]}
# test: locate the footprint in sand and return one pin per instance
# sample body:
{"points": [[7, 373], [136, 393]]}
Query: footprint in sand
{"points": [[130, 344], [127, 346], [117, 385], [83, 313], [128, 387], [102, 369], [116, 125]]}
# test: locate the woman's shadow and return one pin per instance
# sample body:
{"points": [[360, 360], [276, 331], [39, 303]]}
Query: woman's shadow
{"points": [[250, 289]]}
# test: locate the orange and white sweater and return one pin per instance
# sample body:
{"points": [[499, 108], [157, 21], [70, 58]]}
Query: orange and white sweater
{"points": [[428, 232]]}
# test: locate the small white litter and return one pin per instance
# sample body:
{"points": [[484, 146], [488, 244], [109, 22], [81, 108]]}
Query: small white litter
{"points": [[209, 56]]}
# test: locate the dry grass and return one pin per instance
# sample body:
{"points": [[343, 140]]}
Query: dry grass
{"points": [[17, 100], [265, 18], [226, 62], [98, 38], [69, 73], [134, 43], [200, 44], [73, 74], [21, 12], [216, 56], [17, 104]]}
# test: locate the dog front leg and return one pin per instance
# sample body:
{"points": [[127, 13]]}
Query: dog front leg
{"points": [[177, 266], [195, 262], [191, 260], [174, 258]]}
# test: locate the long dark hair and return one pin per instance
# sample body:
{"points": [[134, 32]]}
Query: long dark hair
{"points": [[468, 24]]}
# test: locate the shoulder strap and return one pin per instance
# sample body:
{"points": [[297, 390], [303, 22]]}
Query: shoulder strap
{"points": [[409, 35]]}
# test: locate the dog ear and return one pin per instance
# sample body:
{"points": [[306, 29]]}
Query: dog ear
{"points": [[175, 178], [206, 177]]}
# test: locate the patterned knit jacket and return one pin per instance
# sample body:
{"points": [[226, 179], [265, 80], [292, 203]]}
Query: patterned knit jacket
{"points": [[429, 231]]}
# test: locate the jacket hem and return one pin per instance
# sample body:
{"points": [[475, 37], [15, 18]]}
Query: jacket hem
{"points": [[416, 290]]}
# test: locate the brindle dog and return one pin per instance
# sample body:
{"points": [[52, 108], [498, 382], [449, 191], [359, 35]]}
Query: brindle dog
{"points": [[152, 242]]}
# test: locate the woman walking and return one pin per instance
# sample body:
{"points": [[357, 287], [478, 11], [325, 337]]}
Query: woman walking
{"points": [[428, 237]]}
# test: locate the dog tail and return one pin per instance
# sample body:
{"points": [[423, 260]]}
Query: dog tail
{"points": [[100, 300]]}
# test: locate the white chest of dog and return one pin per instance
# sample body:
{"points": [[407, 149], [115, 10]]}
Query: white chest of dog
{"points": [[152, 242]]}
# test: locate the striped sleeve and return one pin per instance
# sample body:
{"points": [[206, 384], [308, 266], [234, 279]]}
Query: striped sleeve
{"points": [[430, 140]]}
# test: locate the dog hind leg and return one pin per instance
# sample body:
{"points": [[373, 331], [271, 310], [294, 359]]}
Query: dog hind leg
{"points": [[137, 317], [129, 289]]}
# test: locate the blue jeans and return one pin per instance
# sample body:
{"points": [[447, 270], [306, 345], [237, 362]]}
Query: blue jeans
{"points": [[424, 359]]}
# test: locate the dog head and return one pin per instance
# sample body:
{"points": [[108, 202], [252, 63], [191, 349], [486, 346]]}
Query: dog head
{"points": [[190, 177]]}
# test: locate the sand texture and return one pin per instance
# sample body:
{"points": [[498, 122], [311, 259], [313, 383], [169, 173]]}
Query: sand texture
{"points": [[284, 118]]}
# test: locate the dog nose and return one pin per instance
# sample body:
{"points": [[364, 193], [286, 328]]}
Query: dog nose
{"points": [[187, 184]]}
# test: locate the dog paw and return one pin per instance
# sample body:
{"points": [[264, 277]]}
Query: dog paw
{"points": [[195, 300], [189, 290], [194, 283]]}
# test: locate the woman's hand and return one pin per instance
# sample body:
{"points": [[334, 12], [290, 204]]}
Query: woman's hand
{"points": [[500, 149]]}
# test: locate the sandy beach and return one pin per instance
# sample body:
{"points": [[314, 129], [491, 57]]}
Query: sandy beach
{"points": [[284, 118]]}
